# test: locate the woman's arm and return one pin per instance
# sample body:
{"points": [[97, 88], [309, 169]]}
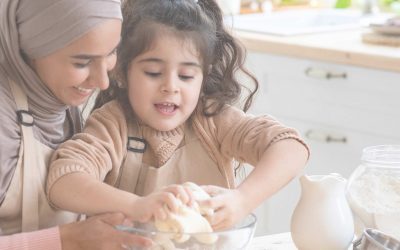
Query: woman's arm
{"points": [[38, 240], [97, 232]]}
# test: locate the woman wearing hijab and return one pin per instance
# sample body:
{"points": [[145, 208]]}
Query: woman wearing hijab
{"points": [[53, 55]]}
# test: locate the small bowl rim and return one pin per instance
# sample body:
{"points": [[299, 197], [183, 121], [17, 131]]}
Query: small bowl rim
{"points": [[131, 229]]}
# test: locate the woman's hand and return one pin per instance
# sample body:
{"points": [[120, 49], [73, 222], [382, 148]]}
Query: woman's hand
{"points": [[229, 206], [98, 233], [159, 203]]}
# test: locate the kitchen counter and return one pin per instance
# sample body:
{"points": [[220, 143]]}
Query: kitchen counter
{"points": [[344, 47], [282, 241]]}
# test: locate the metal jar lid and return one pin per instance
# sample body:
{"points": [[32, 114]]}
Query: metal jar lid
{"points": [[373, 239]]}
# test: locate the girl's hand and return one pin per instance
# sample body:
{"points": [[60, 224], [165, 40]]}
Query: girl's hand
{"points": [[229, 206], [158, 204]]}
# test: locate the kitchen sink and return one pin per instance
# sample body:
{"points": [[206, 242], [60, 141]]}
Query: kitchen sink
{"points": [[296, 22]]}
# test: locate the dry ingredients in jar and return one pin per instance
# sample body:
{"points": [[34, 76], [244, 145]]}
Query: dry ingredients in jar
{"points": [[374, 189], [377, 192]]}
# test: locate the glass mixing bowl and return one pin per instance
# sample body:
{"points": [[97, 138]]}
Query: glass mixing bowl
{"points": [[238, 237]]}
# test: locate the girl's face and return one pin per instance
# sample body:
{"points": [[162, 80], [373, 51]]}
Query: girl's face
{"points": [[164, 82], [74, 72]]}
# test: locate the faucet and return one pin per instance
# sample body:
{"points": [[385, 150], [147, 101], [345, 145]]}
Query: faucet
{"points": [[370, 7]]}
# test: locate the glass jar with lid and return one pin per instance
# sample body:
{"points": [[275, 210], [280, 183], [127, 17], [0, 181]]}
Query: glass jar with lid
{"points": [[373, 190]]}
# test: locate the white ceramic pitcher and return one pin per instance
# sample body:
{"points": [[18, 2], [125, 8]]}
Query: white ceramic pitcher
{"points": [[322, 218]]}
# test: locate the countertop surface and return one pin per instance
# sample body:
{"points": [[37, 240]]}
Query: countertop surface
{"points": [[281, 241], [345, 47]]}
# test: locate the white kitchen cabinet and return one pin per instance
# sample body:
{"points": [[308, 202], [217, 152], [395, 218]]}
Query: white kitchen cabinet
{"points": [[338, 109]]}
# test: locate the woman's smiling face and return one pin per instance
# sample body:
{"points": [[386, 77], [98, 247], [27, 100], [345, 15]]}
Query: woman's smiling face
{"points": [[164, 82], [74, 72]]}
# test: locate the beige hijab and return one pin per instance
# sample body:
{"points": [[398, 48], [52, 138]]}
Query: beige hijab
{"points": [[37, 28]]}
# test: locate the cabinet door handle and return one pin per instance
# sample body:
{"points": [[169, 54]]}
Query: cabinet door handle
{"points": [[325, 137], [324, 74]]}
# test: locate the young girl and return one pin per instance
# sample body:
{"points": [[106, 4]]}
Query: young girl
{"points": [[45, 47], [171, 120]]}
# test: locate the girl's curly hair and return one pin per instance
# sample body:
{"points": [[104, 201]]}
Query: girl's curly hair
{"points": [[222, 56]]}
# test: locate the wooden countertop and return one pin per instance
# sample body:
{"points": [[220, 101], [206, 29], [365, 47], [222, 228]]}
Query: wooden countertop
{"points": [[344, 47]]}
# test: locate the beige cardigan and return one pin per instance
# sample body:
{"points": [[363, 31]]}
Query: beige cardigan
{"points": [[101, 148]]}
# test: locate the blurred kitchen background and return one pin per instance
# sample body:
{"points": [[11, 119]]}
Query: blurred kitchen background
{"points": [[329, 68]]}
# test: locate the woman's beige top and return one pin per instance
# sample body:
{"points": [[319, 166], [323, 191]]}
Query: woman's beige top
{"points": [[25, 207]]}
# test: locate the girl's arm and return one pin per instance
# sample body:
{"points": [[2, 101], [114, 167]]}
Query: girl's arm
{"points": [[81, 193], [277, 153], [280, 163], [81, 167]]}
